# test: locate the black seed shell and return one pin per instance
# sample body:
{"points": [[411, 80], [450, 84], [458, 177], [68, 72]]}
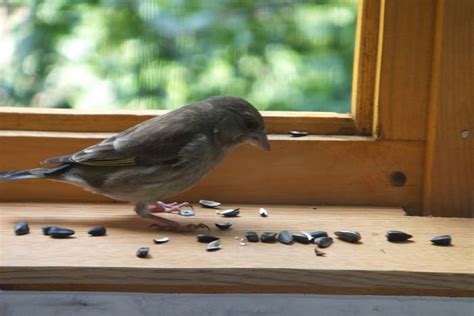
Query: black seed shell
{"points": [[323, 242], [60, 232], [444, 240], [252, 236], [268, 237], [21, 228], [348, 235], [233, 212], [46, 229], [319, 233], [209, 203], [285, 237], [224, 226], [301, 238], [97, 231], [298, 133], [397, 236], [142, 252], [206, 238]]}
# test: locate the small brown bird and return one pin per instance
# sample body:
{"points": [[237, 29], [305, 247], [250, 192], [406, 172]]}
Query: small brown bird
{"points": [[160, 157]]}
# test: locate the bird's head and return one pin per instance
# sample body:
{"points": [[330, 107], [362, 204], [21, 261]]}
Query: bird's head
{"points": [[240, 123]]}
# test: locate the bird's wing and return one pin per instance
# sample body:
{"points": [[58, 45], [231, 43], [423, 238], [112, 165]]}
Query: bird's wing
{"points": [[155, 141]]}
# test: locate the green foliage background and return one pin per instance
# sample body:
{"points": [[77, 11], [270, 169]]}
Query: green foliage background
{"points": [[279, 54]]}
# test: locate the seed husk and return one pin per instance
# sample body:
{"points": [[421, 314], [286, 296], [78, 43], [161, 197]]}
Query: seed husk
{"points": [[298, 133], [142, 252], [319, 253], [318, 233], [206, 238], [46, 229], [21, 228], [161, 240], [302, 238], [242, 242], [348, 235], [187, 213], [224, 225], [214, 245], [444, 240], [263, 212], [323, 242], [268, 237], [97, 231], [209, 203], [397, 236], [60, 232], [252, 236], [285, 237], [233, 212]]}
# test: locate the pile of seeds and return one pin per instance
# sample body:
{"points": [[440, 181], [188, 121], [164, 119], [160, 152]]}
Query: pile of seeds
{"points": [[320, 238]]}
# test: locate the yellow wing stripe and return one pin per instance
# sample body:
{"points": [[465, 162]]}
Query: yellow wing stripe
{"points": [[110, 163]]}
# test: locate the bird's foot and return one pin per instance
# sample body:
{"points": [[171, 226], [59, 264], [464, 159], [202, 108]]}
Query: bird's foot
{"points": [[161, 207], [143, 210]]}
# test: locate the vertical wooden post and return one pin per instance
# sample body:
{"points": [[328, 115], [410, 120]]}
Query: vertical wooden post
{"points": [[449, 164]]}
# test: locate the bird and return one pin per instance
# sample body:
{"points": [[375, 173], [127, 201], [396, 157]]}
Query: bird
{"points": [[160, 157]]}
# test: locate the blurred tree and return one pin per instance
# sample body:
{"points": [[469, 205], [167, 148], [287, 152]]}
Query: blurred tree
{"points": [[279, 54]]}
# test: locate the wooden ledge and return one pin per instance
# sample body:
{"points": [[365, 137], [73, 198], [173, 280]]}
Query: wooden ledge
{"points": [[37, 262]]}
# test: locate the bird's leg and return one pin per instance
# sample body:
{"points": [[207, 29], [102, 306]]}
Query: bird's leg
{"points": [[175, 207], [143, 210]]}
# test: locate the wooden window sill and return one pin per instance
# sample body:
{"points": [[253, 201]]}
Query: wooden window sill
{"points": [[37, 262]]}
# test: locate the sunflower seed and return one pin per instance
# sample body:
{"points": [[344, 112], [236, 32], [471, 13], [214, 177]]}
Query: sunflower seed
{"points": [[302, 238], [298, 133], [233, 212], [213, 246], [161, 240], [59, 232], [143, 252], [285, 237], [319, 233], [21, 228], [224, 225], [251, 236], [348, 235], [263, 212], [268, 237], [209, 204], [444, 240], [206, 238], [46, 229], [187, 213], [323, 242], [97, 231], [397, 236]]}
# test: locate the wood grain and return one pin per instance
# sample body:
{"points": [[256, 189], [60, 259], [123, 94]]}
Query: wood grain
{"points": [[404, 70], [449, 177], [345, 170], [365, 65], [44, 119], [375, 266]]}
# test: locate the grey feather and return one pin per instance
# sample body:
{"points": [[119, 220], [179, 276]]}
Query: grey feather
{"points": [[163, 156]]}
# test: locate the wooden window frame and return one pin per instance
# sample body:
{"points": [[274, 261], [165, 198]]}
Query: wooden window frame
{"points": [[401, 63]]}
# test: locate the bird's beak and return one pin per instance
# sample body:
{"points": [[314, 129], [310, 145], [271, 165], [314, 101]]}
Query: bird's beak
{"points": [[260, 140]]}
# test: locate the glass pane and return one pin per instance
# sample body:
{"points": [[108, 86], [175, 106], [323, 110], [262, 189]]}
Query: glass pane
{"points": [[159, 54]]}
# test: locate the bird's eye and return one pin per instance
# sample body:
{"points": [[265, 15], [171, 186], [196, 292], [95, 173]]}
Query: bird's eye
{"points": [[251, 125]]}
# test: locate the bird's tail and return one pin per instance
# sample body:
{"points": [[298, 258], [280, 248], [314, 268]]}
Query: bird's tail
{"points": [[37, 173]]}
